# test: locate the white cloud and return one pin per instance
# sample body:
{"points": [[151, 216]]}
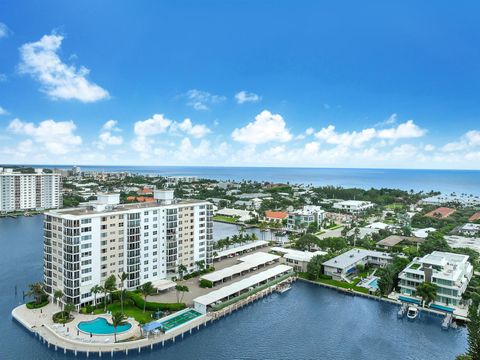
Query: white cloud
{"points": [[200, 100], [309, 131], [157, 124], [405, 130], [197, 130], [4, 30], [57, 137], [469, 140], [266, 127], [187, 151], [58, 80], [429, 147], [107, 137], [3, 77], [244, 97], [354, 138], [3, 111]]}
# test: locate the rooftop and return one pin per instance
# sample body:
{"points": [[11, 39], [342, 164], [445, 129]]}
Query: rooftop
{"points": [[297, 254], [474, 217], [393, 240], [276, 214], [441, 212], [352, 256]]}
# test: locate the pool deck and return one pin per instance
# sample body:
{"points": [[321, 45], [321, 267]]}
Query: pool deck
{"points": [[39, 323]]}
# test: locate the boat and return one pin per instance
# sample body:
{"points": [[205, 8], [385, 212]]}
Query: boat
{"points": [[412, 312], [283, 288]]}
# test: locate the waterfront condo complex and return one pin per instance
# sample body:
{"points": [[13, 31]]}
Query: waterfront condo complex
{"points": [[149, 241], [29, 191], [450, 272]]}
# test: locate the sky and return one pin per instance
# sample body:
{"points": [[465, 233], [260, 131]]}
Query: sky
{"points": [[240, 83]]}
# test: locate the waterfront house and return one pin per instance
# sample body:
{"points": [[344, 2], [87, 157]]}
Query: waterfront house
{"points": [[296, 258], [450, 272], [345, 265], [398, 240], [275, 216]]}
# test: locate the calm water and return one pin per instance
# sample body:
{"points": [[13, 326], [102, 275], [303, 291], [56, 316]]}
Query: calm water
{"points": [[222, 230], [308, 322], [446, 181]]}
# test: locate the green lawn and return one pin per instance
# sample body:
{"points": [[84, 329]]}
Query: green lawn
{"points": [[394, 206], [224, 218], [340, 284], [130, 311]]}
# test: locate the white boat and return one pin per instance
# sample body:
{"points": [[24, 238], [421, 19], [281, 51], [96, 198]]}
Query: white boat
{"points": [[284, 288], [412, 312]]}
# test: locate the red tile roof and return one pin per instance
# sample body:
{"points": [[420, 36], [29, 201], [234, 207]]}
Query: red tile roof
{"points": [[475, 217], [276, 214], [145, 191], [441, 212]]}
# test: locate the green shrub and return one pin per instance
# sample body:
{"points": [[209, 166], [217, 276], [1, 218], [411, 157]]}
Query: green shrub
{"points": [[204, 283], [62, 317], [153, 306], [34, 305]]}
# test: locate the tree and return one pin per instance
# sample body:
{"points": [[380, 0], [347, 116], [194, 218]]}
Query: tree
{"points": [[122, 277], [312, 227], [37, 291], [67, 309], [118, 319], [95, 290], [108, 288], [181, 289], [182, 269], [57, 295], [434, 242], [314, 267], [146, 290], [200, 264], [428, 292], [474, 333], [306, 242]]}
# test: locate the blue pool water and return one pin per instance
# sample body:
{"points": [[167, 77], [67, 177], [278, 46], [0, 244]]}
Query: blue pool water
{"points": [[101, 326], [374, 284], [308, 322]]}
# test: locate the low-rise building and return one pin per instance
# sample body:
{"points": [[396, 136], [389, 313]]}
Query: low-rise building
{"points": [[440, 213], [353, 206], [396, 240], [275, 216], [469, 229], [469, 242], [450, 272], [296, 258], [304, 217], [344, 265]]}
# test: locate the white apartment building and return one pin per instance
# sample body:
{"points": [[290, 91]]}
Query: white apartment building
{"points": [[450, 272], [304, 217], [33, 191], [353, 206], [84, 246]]}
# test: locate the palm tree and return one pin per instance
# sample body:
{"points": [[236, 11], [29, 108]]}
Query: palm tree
{"points": [[200, 264], [181, 289], [146, 290], [95, 290], [118, 319], [428, 292], [57, 295], [37, 291], [122, 277], [67, 309], [181, 270], [108, 288]]}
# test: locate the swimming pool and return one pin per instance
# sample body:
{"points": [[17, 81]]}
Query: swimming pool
{"points": [[100, 326], [373, 284]]}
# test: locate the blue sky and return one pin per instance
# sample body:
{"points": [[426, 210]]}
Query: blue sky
{"points": [[260, 83]]}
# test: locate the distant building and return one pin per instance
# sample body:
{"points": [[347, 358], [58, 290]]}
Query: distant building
{"points": [[423, 233], [29, 191], [275, 216], [296, 258], [469, 242], [353, 206], [440, 213], [242, 215], [469, 229], [450, 272], [344, 265], [304, 217], [474, 217], [394, 240]]}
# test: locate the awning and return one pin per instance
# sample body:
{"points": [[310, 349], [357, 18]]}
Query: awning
{"points": [[164, 284]]}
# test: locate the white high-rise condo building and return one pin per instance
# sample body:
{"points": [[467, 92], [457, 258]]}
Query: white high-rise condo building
{"points": [[149, 241], [29, 191]]}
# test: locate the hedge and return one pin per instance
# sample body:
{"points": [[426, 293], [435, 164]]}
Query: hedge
{"points": [[153, 306], [34, 305], [198, 273], [204, 283]]}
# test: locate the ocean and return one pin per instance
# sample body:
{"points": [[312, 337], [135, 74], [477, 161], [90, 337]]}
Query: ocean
{"points": [[445, 181]]}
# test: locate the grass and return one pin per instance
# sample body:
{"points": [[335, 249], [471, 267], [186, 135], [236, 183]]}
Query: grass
{"points": [[130, 310], [394, 206], [223, 218], [339, 284], [335, 227]]}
